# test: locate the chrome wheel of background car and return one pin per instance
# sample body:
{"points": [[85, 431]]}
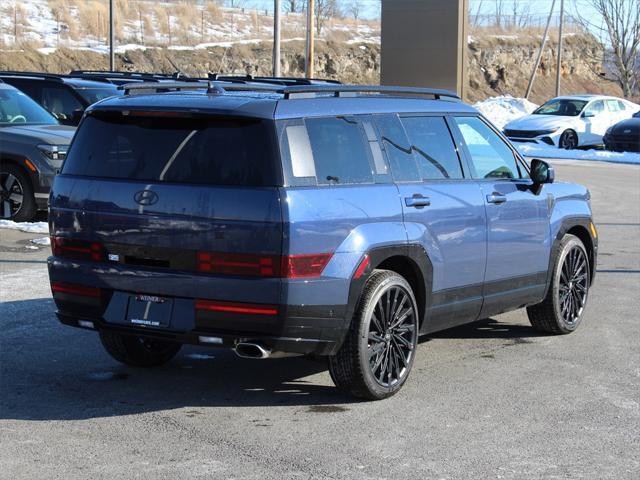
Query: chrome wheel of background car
{"points": [[392, 336], [11, 195], [573, 285], [569, 140]]}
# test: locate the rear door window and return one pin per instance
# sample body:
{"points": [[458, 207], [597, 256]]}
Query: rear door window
{"points": [[180, 150], [433, 148], [398, 149]]}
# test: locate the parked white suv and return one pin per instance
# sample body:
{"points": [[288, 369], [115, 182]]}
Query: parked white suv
{"points": [[571, 121]]}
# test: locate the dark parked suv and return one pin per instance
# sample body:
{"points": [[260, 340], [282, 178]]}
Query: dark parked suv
{"points": [[65, 97], [331, 220]]}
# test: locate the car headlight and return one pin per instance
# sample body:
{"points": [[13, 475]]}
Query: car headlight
{"points": [[548, 131], [53, 152]]}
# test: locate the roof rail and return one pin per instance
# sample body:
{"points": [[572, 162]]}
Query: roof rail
{"points": [[292, 91], [47, 76], [340, 90], [284, 81]]}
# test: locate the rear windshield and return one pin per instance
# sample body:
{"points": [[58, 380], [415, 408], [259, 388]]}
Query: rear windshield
{"points": [[178, 150]]}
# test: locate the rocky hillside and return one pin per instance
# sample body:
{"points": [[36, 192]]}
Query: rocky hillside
{"points": [[497, 64]]}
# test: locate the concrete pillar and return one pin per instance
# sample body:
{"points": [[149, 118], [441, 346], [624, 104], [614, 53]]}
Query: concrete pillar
{"points": [[424, 44]]}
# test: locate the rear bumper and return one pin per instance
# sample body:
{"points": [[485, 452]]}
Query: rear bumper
{"points": [[277, 344]]}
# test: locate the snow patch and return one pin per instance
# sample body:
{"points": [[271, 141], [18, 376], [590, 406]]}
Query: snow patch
{"points": [[28, 227], [543, 151], [41, 241], [501, 110]]}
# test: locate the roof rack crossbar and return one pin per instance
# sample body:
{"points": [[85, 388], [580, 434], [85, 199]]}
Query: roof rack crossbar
{"points": [[166, 86]]}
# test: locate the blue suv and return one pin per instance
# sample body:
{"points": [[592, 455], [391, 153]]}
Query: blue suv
{"points": [[334, 220]]}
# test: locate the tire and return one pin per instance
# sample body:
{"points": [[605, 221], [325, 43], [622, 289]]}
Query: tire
{"points": [[138, 351], [562, 309], [376, 357], [568, 140], [17, 201]]}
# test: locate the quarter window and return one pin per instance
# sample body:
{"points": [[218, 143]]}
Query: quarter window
{"points": [[433, 148], [339, 150], [491, 157]]}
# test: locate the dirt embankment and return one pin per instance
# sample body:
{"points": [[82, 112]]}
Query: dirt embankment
{"points": [[496, 65]]}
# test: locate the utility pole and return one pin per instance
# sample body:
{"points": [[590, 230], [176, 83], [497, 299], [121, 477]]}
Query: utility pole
{"points": [[112, 58], [559, 48], [308, 63], [276, 38], [539, 57]]}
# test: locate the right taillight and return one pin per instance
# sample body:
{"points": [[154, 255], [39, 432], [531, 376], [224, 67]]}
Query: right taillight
{"points": [[268, 266], [77, 249]]}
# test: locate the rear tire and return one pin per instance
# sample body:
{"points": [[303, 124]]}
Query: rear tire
{"points": [[562, 309], [138, 351], [17, 201], [377, 355]]}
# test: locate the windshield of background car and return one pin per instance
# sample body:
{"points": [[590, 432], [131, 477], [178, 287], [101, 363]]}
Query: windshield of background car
{"points": [[211, 151], [93, 95], [17, 108], [562, 107]]}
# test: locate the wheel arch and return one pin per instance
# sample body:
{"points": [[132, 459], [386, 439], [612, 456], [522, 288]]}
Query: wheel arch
{"points": [[581, 228], [409, 261]]}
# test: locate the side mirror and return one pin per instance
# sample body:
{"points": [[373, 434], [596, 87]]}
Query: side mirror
{"points": [[542, 172], [588, 114]]}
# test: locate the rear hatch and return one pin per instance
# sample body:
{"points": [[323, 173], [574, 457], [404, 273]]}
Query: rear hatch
{"points": [[170, 206]]}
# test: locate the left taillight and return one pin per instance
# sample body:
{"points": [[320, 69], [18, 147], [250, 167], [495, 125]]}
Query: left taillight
{"points": [[73, 289], [77, 249]]}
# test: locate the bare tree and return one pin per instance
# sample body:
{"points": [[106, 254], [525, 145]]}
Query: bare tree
{"points": [[520, 14], [499, 13], [294, 6], [325, 9], [355, 9], [619, 36]]}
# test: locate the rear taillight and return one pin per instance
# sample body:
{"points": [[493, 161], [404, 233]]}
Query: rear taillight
{"points": [[77, 249], [272, 266], [297, 266], [239, 264], [73, 289], [233, 307]]}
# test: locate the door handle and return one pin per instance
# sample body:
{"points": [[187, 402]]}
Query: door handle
{"points": [[497, 198], [417, 201]]}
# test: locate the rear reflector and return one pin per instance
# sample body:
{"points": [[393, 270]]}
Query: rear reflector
{"points": [[232, 307], [211, 340], [362, 267], [77, 249], [72, 289], [85, 324], [269, 266]]}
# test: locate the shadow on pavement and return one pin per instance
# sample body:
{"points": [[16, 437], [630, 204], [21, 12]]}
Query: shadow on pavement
{"points": [[53, 372]]}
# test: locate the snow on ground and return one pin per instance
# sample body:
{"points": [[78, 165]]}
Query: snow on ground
{"points": [[41, 241], [543, 151], [28, 227], [501, 110]]}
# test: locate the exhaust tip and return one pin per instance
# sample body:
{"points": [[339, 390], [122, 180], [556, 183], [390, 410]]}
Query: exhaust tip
{"points": [[252, 350]]}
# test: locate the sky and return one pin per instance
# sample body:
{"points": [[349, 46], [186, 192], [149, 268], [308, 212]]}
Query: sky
{"points": [[371, 8]]}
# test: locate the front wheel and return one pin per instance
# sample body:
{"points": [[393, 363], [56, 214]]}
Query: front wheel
{"points": [[138, 351], [17, 201], [568, 140], [378, 352], [562, 309]]}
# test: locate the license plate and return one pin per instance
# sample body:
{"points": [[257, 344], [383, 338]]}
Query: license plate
{"points": [[149, 311]]}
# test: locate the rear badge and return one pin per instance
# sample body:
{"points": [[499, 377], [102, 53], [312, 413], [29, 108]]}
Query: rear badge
{"points": [[149, 298], [113, 257]]}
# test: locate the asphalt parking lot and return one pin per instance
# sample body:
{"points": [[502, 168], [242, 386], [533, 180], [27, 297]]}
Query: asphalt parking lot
{"points": [[489, 400]]}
